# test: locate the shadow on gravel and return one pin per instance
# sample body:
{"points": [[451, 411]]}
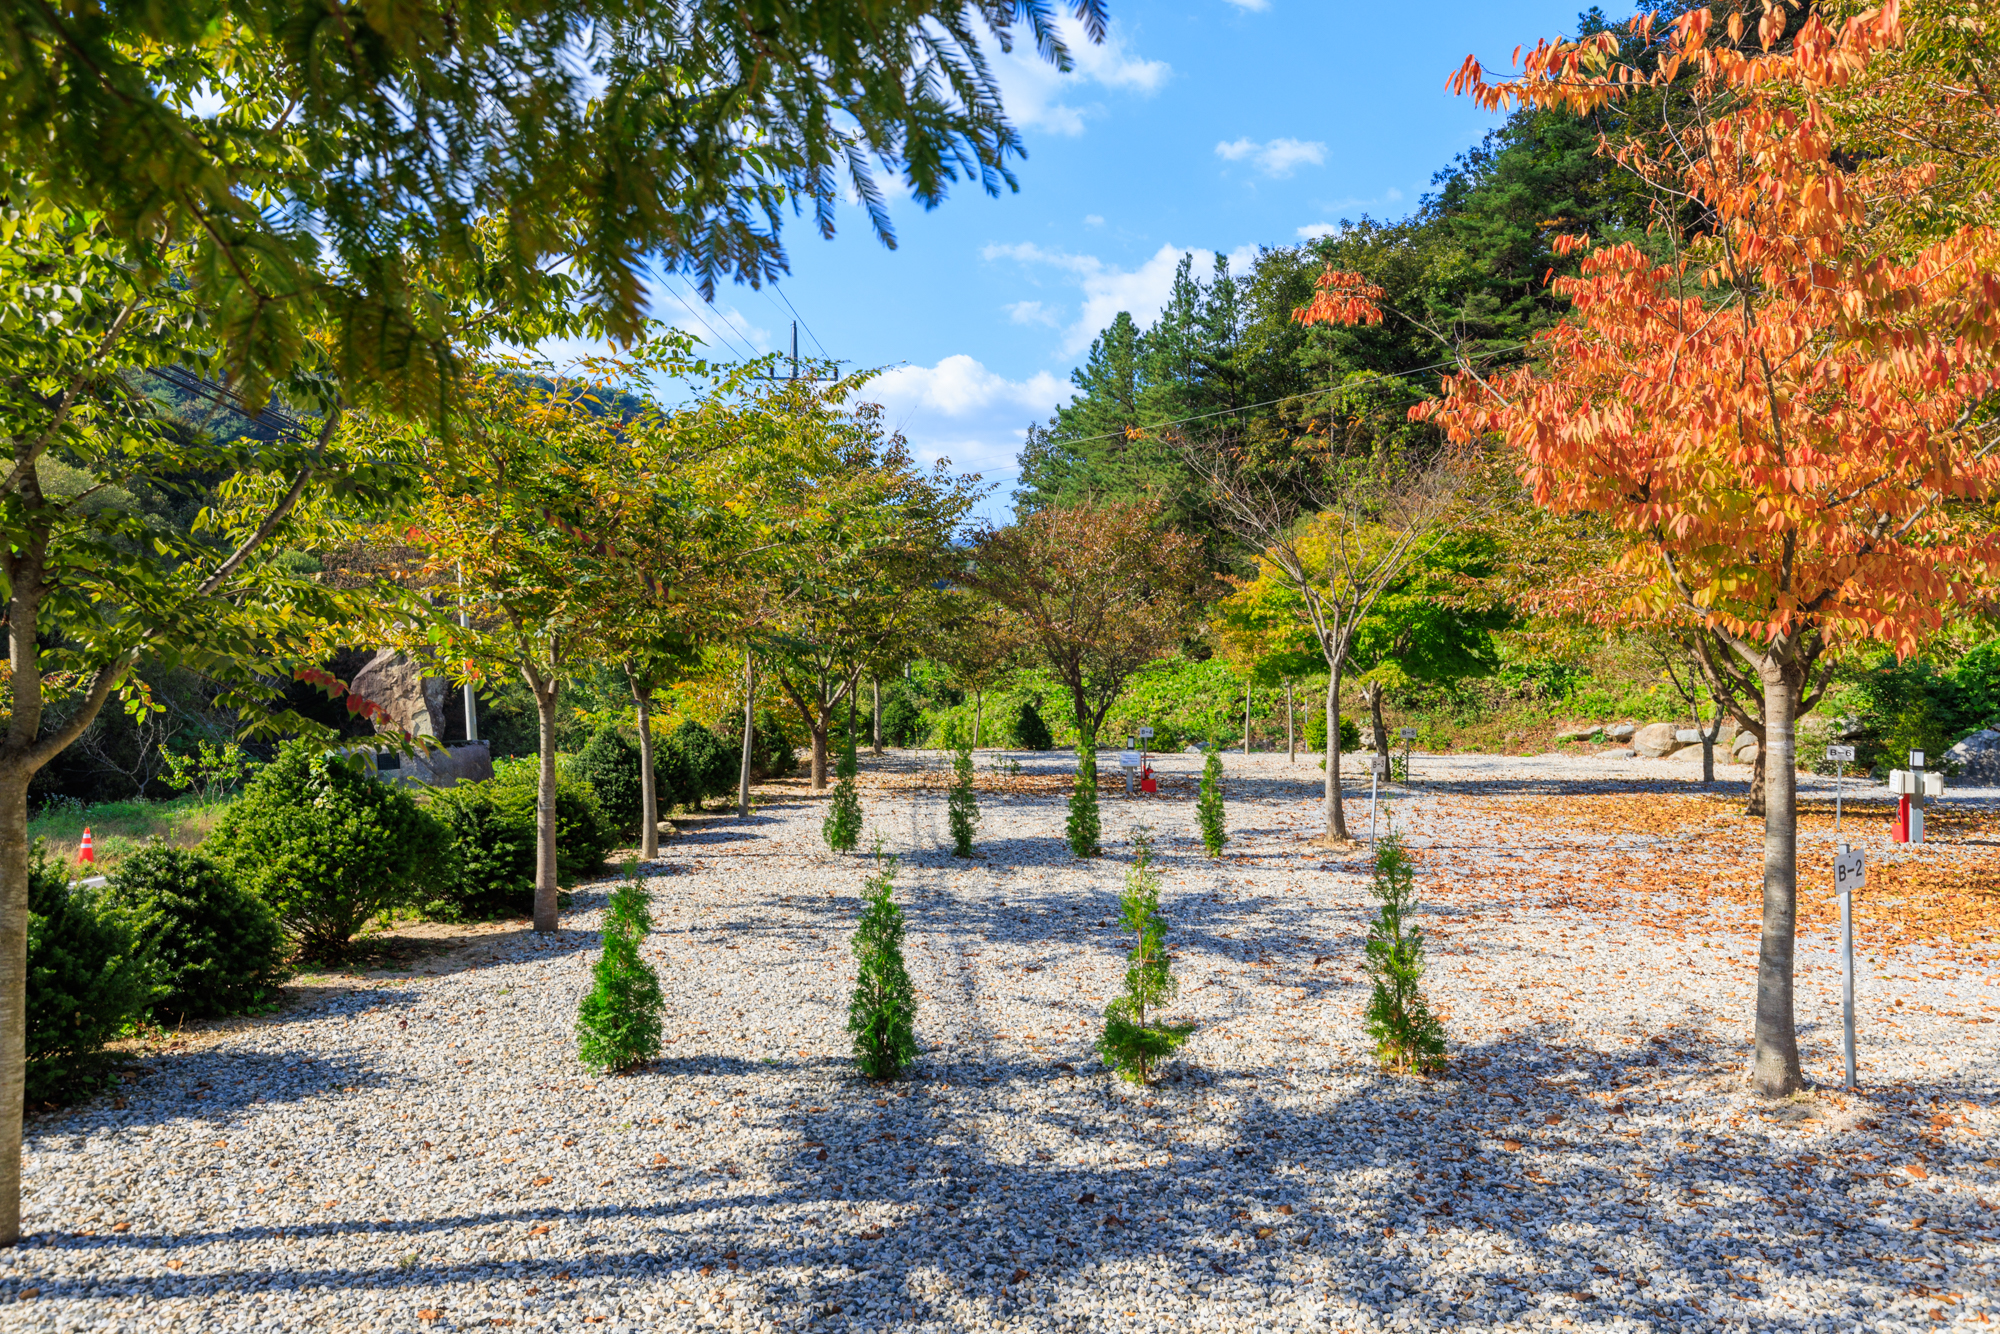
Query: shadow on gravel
{"points": [[1556, 1174], [224, 1084]]}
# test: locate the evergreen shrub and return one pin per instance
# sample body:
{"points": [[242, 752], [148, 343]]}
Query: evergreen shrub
{"points": [[1408, 1037], [706, 767], [963, 804], [842, 826], [618, 1023], [491, 829], [1083, 828], [215, 947], [1350, 733], [774, 752], [1134, 1040], [329, 846], [883, 1014], [610, 764], [1030, 731], [902, 716], [1208, 806], [87, 981]]}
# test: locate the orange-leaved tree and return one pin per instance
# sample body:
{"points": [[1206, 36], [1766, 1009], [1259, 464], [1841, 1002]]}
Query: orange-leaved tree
{"points": [[1785, 418]]}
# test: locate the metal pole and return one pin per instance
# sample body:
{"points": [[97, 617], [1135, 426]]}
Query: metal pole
{"points": [[1839, 775], [1374, 778], [1847, 975], [471, 703]]}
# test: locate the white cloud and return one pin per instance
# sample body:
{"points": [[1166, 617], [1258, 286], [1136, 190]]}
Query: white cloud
{"points": [[1312, 231], [1279, 157], [1038, 96], [962, 411], [1093, 219], [1031, 312], [1108, 289], [1254, 6]]}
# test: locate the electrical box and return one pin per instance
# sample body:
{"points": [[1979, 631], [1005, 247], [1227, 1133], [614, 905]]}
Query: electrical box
{"points": [[1933, 785], [1900, 784]]}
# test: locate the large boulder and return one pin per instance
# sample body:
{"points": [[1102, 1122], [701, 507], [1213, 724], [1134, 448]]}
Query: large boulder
{"points": [[1654, 740], [414, 703], [1978, 756], [1744, 749]]}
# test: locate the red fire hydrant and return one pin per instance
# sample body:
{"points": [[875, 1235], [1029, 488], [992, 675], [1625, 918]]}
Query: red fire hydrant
{"points": [[1147, 783]]}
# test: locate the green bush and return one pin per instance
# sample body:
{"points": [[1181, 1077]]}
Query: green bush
{"points": [[618, 1022], [1134, 1041], [902, 715], [1350, 732], [883, 1014], [963, 804], [774, 753], [215, 947], [703, 767], [842, 826], [1083, 828], [1208, 805], [1030, 732], [1408, 1037], [87, 981], [610, 764], [329, 846], [491, 830]]}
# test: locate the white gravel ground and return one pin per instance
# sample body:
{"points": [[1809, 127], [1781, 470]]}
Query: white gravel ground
{"points": [[425, 1153]]}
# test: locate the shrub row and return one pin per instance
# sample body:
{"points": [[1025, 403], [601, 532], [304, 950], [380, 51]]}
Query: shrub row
{"points": [[691, 765]]}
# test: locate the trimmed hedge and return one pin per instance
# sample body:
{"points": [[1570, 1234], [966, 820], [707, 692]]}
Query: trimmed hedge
{"points": [[88, 982], [328, 845], [491, 827], [215, 947]]}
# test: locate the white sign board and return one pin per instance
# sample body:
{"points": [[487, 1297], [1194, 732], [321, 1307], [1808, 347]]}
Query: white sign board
{"points": [[1840, 754], [1409, 734], [1850, 872], [1145, 731], [1380, 764], [1129, 758]]}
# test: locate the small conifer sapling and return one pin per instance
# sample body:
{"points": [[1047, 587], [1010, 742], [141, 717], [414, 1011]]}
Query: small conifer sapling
{"points": [[1208, 806], [1134, 1040], [1408, 1037], [883, 1014], [1082, 828], [842, 826], [963, 803], [618, 1023]]}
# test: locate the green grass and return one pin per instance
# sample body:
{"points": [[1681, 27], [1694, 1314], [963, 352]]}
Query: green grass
{"points": [[120, 828]]}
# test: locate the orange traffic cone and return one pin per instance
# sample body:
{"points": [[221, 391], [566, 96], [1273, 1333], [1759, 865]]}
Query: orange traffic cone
{"points": [[83, 853]]}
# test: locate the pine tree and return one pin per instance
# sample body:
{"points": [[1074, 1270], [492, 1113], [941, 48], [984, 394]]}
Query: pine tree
{"points": [[618, 1023], [964, 805], [843, 813], [883, 1014], [1083, 828], [1133, 1042], [1208, 807], [1408, 1037]]}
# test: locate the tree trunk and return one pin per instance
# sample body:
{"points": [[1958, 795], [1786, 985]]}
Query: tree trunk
{"points": [[546, 886], [1336, 817], [749, 733], [1291, 742], [821, 726], [978, 713], [13, 997], [1372, 692], [1246, 717], [878, 715], [1757, 806], [1776, 1070], [1709, 736], [649, 790]]}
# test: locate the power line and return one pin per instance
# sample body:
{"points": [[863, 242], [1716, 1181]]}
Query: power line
{"points": [[734, 350], [801, 319]]}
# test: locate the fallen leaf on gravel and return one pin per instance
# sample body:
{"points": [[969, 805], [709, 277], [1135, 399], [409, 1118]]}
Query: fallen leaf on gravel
{"points": [[540, 1231], [1088, 1197], [1019, 1274], [1264, 1233], [121, 1227], [1916, 1170], [430, 1313], [1511, 1145], [1284, 1208]]}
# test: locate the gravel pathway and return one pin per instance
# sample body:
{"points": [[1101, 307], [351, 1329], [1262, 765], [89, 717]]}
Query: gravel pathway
{"points": [[424, 1152]]}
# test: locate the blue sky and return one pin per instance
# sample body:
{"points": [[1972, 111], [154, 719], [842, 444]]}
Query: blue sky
{"points": [[1199, 125]]}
